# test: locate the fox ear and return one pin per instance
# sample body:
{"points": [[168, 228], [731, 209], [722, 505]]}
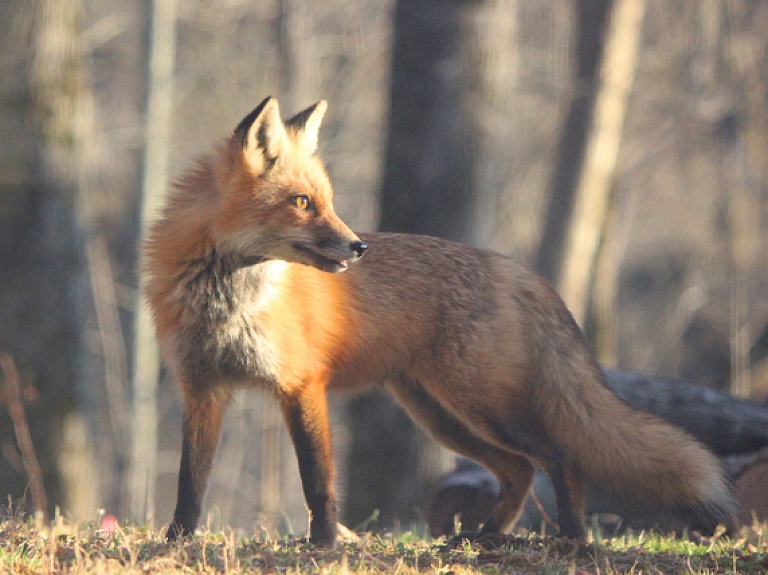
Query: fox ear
{"points": [[262, 131], [306, 125]]}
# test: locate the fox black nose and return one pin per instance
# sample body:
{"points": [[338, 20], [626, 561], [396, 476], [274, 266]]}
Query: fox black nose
{"points": [[359, 248]]}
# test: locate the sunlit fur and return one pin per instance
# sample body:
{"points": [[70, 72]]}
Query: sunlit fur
{"points": [[480, 351]]}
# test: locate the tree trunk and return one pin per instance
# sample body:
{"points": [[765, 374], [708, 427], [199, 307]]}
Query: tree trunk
{"points": [[426, 190], [41, 292], [591, 19], [146, 370], [431, 186], [593, 190]]}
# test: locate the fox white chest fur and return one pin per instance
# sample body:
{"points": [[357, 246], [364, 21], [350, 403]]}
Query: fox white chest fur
{"points": [[219, 336]]}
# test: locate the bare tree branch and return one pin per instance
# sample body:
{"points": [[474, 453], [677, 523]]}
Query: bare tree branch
{"points": [[23, 437]]}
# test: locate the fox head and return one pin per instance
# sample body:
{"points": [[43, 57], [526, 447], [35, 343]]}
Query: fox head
{"points": [[275, 198]]}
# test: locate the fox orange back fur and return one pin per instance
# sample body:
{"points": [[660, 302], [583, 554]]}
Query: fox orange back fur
{"points": [[244, 275]]}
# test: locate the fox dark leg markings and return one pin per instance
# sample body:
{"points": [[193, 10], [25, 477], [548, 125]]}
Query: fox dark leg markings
{"points": [[203, 417], [569, 492], [306, 415]]}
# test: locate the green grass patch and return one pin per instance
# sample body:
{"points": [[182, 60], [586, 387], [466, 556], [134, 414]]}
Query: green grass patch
{"points": [[30, 547]]}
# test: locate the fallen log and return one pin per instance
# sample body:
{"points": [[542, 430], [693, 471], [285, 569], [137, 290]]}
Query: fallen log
{"points": [[724, 423]]}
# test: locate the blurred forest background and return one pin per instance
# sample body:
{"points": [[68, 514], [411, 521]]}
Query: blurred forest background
{"points": [[620, 147]]}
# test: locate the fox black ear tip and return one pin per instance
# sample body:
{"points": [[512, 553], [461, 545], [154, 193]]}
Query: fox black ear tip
{"points": [[317, 109], [241, 131], [265, 102]]}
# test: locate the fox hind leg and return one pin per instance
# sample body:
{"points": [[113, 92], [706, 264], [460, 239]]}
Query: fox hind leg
{"points": [[514, 472]]}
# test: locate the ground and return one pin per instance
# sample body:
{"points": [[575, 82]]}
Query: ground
{"points": [[33, 546]]}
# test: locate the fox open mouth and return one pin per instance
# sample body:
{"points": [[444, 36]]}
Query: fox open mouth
{"points": [[320, 261]]}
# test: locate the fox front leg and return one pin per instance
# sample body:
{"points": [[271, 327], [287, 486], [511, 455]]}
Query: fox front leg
{"points": [[203, 417], [306, 414]]}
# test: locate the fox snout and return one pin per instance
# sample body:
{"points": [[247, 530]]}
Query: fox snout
{"points": [[332, 263]]}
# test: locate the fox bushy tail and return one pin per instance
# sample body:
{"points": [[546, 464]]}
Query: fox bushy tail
{"points": [[632, 457]]}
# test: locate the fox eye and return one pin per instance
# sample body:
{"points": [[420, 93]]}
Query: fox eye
{"points": [[301, 202]]}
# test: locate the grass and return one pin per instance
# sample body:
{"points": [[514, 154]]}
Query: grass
{"points": [[31, 547]]}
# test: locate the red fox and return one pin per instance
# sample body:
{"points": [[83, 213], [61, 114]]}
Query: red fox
{"points": [[244, 276]]}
